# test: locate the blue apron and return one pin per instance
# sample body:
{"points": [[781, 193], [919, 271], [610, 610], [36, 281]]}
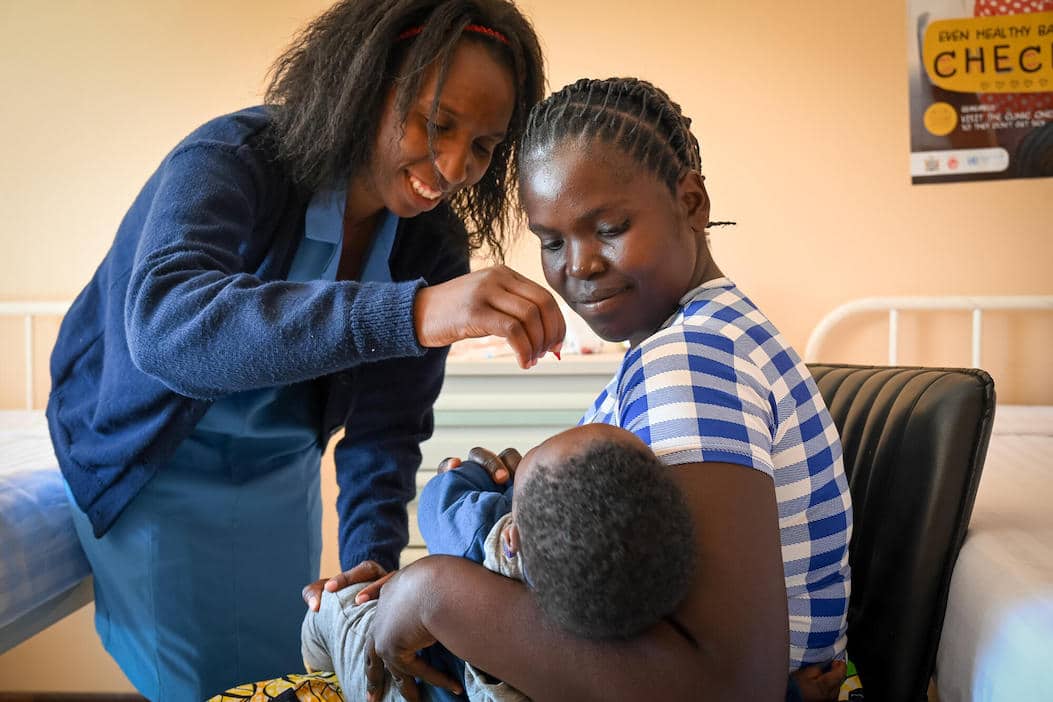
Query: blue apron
{"points": [[197, 585]]}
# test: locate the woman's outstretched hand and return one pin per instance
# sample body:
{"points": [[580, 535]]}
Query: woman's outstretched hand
{"points": [[494, 301]]}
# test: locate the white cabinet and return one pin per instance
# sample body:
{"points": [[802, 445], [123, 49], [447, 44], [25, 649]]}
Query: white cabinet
{"points": [[494, 404]]}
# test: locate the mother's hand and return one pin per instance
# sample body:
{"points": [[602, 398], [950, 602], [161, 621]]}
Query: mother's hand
{"points": [[399, 632], [361, 573], [494, 301]]}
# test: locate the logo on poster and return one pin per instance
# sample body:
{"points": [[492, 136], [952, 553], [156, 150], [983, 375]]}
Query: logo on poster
{"points": [[959, 161], [940, 118]]}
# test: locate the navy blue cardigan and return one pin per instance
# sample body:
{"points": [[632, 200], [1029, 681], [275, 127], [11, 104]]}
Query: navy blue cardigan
{"points": [[190, 304]]}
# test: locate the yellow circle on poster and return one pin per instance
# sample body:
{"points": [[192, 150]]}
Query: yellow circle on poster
{"points": [[941, 118]]}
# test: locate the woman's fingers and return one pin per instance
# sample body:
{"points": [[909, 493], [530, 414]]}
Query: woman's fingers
{"points": [[398, 631], [819, 686], [524, 317], [363, 572], [405, 678], [409, 668], [312, 594], [376, 674], [512, 330], [406, 686], [372, 591], [830, 681], [555, 327], [535, 309]]}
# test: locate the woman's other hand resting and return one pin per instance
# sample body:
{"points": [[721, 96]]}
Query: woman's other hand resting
{"points": [[361, 573]]}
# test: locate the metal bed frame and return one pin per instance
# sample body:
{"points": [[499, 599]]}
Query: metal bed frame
{"points": [[29, 311], [894, 305], [64, 603]]}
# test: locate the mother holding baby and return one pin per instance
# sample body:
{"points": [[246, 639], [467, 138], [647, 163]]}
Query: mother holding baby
{"points": [[611, 182]]}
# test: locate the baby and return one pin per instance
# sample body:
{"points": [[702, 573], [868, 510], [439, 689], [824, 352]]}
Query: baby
{"points": [[592, 512]]}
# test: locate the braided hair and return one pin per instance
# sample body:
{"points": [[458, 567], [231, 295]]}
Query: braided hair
{"points": [[632, 114], [327, 90]]}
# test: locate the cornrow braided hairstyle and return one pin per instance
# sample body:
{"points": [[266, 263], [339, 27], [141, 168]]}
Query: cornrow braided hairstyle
{"points": [[632, 114], [327, 90]]}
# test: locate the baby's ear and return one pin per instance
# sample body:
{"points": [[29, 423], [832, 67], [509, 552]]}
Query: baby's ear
{"points": [[511, 536], [694, 200]]}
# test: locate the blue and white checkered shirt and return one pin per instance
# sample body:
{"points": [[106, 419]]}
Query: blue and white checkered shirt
{"points": [[718, 383]]}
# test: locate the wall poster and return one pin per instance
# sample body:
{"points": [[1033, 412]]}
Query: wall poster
{"points": [[981, 89]]}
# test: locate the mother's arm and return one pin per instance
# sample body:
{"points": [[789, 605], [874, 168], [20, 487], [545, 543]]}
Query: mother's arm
{"points": [[736, 611]]}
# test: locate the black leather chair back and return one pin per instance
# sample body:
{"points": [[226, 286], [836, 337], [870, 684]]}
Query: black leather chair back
{"points": [[914, 445]]}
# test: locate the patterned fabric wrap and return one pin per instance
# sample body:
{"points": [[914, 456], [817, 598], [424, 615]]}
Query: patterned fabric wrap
{"points": [[852, 687], [313, 687]]}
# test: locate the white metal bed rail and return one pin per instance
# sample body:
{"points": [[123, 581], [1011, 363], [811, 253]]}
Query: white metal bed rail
{"points": [[978, 304], [28, 311]]}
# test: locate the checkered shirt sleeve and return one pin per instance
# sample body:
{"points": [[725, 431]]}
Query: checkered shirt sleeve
{"points": [[718, 383]]}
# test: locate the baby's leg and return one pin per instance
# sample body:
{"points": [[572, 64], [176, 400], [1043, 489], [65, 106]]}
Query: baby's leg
{"points": [[335, 638]]}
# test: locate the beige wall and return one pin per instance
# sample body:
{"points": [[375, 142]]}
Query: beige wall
{"points": [[801, 109], [802, 114]]}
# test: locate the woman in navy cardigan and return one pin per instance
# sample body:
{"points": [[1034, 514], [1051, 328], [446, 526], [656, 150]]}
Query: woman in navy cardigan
{"points": [[290, 270]]}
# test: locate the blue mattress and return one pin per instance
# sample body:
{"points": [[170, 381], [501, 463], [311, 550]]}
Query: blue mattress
{"points": [[43, 571]]}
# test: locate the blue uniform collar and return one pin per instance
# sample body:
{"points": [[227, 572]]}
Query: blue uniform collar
{"points": [[324, 223], [325, 216]]}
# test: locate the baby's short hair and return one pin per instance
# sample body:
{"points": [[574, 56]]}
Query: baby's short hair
{"points": [[607, 540]]}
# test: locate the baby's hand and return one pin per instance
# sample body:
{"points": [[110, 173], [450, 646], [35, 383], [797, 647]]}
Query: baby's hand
{"points": [[501, 466], [448, 463]]}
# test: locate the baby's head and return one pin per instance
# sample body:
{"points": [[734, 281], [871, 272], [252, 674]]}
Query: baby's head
{"points": [[604, 536]]}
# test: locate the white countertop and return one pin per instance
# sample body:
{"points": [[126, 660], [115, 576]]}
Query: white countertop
{"points": [[571, 364]]}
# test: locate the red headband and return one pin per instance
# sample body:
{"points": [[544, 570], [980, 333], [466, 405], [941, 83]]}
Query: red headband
{"points": [[477, 28]]}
